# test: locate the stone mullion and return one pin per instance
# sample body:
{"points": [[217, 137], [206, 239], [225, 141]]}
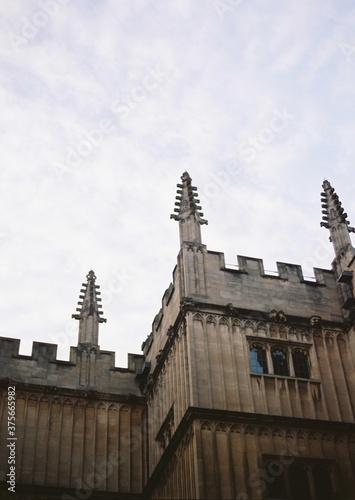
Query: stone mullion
{"points": [[327, 379], [183, 374], [171, 366], [188, 466], [20, 433], [208, 362], [251, 449], [136, 447], [152, 431], [230, 464], [185, 363], [52, 463], [348, 369], [214, 454], [194, 465], [314, 367], [289, 405], [29, 436], [112, 448], [197, 455], [242, 371], [345, 471], [41, 442], [179, 365], [270, 364], [65, 450], [35, 434], [333, 358], [100, 446], [234, 370], [124, 452], [290, 363], [77, 444], [346, 411], [221, 365]]}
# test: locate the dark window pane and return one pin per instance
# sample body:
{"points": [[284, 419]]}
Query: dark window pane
{"points": [[300, 364], [299, 485], [279, 360], [258, 360], [275, 480], [322, 483]]}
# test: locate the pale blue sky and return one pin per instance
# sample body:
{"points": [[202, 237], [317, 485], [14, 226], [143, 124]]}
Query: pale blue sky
{"points": [[106, 103]]}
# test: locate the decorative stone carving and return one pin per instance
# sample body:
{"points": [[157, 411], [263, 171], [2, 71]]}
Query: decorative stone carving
{"points": [[187, 304], [232, 311], [277, 316], [316, 321]]}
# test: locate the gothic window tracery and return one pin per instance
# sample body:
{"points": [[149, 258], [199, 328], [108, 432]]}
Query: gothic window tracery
{"points": [[279, 359]]}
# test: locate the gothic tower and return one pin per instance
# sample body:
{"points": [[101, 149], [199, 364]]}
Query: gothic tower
{"points": [[251, 391], [245, 389]]}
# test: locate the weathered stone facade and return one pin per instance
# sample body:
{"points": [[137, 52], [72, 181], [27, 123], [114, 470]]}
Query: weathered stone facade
{"points": [[245, 388]]}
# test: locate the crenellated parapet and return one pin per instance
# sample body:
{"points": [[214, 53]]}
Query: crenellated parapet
{"points": [[88, 366]]}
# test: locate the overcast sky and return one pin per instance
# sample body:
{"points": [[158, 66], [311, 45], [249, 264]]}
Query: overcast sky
{"points": [[104, 104]]}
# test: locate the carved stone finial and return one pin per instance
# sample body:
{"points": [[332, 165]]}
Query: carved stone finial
{"points": [[335, 219], [89, 311], [188, 211]]}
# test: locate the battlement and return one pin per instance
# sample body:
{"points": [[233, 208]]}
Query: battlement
{"points": [[249, 286], [285, 270], [88, 366]]}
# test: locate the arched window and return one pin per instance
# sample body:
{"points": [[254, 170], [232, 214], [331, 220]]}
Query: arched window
{"points": [[258, 360], [300, 364], [322, 483], [279, 361], [298, 481]]}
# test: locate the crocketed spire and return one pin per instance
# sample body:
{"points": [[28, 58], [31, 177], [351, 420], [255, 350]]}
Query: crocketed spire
{"points": [[335, 219], [89, 314], [188, 211]]}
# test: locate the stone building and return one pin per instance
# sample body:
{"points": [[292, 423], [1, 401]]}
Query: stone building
{"points": [[245, 388]]}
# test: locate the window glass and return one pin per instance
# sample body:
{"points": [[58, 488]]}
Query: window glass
{"points": [[322, 483], [258, 360], [300, 364], [299, 485], [279, 361], [276, 484]]}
